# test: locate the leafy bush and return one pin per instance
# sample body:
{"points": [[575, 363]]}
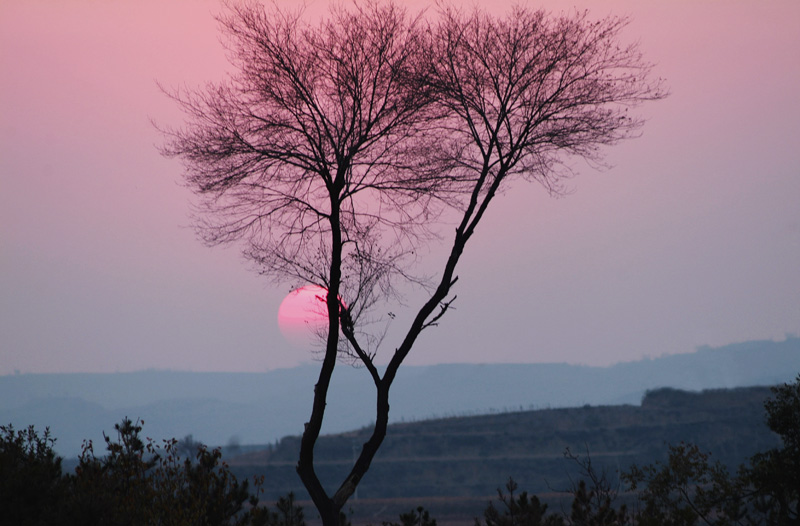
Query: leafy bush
{"points": [[31, 482], [519, 511], [688, 488], [418, 517], [138, 482]]}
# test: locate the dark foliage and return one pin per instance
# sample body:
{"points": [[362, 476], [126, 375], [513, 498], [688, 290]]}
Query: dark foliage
{"points": [[687, 488], [417, 517], [595, 502], [287, 513], [30, 477], [775, 474], [690, 489], [522, 510], [137, 483]]}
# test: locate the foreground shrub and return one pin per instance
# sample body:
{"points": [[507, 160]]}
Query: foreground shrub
{"points": [[137, 483]]}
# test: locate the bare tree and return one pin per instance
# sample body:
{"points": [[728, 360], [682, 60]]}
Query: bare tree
{"points": [[316, 142], [335, 145]]}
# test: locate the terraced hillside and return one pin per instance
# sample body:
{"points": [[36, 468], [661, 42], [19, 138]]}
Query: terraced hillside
{"points": [[441, 461]]}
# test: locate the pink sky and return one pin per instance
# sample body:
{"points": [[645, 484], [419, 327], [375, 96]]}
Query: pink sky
{"points": [[691, 238]]}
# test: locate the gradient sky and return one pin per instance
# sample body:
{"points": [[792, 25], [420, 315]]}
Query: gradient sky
{"points": [[691, 238]]}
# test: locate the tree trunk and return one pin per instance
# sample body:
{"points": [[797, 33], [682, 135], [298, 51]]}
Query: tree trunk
{"points": [[369, 449], [328, 510]]}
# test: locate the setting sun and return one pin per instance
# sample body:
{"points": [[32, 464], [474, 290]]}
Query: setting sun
{"points": [[302, 315]]}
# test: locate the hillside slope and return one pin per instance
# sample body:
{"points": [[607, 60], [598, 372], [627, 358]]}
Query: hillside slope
{"points": [[472, 456]]}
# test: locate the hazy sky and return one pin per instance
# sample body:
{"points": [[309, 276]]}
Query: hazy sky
{"points": [[691, 238]]}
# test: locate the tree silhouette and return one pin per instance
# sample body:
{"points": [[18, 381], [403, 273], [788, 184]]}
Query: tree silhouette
{"points": [[31, 481], [518, 511], [688, 488], [775, 473], [334, 147]]}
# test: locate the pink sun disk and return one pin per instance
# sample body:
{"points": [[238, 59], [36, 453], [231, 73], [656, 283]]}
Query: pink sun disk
{"points": [[303, 316]]}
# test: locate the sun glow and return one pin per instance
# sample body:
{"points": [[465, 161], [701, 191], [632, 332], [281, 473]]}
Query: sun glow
{"points": [[302, 316]]}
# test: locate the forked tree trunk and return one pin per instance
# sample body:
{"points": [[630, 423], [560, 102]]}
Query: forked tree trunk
{"points": [[330, 508]]}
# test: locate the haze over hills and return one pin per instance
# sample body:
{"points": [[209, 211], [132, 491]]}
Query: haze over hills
{"points": [[259, 408]]}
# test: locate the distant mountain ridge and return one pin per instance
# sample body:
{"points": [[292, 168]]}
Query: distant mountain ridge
{"points": [[224, 408]]}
